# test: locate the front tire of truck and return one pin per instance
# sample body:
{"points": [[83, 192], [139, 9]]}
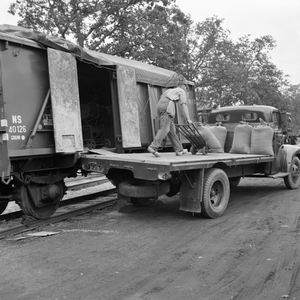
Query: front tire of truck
{"points": [[216, 193], [292, 181]]}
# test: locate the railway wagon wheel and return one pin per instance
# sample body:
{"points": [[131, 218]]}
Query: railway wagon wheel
{"points": [[215, 193], [292, 181], [41, 201]]}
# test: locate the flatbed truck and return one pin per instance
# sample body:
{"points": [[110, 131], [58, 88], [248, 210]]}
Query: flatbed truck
{"points": [[203, 181]]}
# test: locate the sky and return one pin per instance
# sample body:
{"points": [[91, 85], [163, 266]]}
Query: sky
{"points": [[278, 18]]}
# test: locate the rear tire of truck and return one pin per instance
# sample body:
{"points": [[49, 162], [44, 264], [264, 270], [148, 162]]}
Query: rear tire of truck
{"points": [[292, 181], [234, 181], [216, 193]]}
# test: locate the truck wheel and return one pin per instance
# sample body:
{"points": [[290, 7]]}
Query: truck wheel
{"points": [[135, 188], [174, 189], [215, 193], [292, 181], [193, 150], [234, 181], [142, 202]]}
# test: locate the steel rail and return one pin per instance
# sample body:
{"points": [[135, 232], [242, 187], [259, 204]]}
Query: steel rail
{"points": [[85, 183], [55, 219]]}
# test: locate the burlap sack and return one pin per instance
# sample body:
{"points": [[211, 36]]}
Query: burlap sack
{"points": [[211, 141], [242, 139], [220, 132], [261, 140]]}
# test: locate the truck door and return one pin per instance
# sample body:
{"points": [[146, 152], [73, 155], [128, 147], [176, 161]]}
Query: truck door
{"points": [[129, 114], [65, 102]]}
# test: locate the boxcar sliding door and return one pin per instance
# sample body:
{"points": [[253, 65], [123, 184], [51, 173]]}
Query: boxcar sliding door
{"points": [[65, 102]]}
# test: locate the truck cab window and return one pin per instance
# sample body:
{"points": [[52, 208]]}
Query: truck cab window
{"points": [[249, 116], [222, 117]]}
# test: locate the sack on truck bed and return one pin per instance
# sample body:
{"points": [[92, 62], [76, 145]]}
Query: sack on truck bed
{"points": [[211, 141], [242, 139], [220, 132], [261, 140]]}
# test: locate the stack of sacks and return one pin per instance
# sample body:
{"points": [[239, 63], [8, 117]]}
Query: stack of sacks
{"points": [[220, 132], [257, 140], [211, 141]]}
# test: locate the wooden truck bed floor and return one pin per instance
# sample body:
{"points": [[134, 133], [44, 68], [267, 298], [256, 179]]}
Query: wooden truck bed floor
{"points": [[147, 166]]}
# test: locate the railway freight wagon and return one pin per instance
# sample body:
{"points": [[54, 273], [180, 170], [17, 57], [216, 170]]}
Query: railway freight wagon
{"points": [[57, 101]]}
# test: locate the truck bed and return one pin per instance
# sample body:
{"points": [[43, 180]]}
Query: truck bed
{"points": [[147, 166]]}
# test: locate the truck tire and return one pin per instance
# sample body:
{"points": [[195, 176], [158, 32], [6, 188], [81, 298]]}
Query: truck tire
{"points": [[216, 193], [135, 188], [292, 181], [234, 181], [174, 189]]}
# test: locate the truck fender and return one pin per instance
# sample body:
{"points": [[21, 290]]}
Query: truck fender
{"points": [[285, 156]]}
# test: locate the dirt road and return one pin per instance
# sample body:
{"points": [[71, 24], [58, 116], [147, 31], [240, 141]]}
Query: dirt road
{"points": [[158, 252]]}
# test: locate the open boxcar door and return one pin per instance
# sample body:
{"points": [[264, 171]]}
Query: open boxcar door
{"points": [[129, 114], [65, 102]]}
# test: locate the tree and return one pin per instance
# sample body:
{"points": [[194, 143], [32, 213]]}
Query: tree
{"points": [[152, 35], [81, 20], [236, 73], [291, 95], [149, 31]]}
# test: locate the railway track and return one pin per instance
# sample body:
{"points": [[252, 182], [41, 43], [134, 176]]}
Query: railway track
{"points": [[107, 198]]}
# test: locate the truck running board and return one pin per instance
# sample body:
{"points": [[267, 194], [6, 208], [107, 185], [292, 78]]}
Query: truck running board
{"points": [[279, 175]]}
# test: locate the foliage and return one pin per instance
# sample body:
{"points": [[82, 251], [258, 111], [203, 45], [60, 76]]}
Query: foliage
{"points": [[237, 73], [291, 96], [82, 20]]}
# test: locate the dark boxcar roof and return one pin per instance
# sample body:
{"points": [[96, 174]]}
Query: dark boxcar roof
{"points": [[146, 73]]}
